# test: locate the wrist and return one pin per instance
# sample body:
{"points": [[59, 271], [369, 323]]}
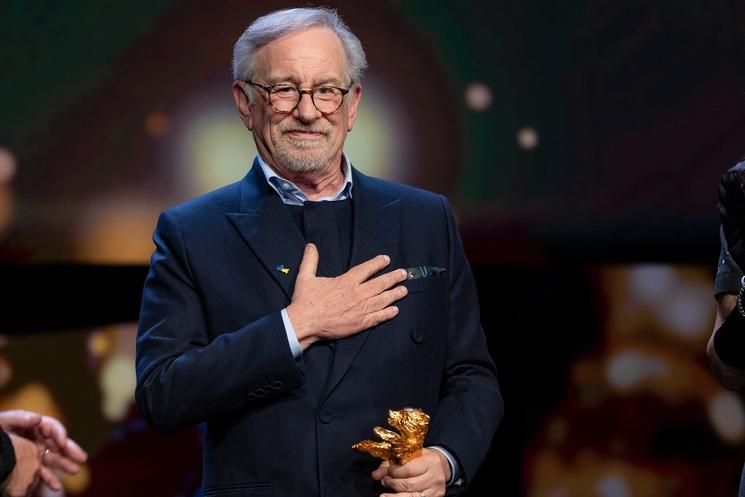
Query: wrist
{"points": [[302, 325], [445, 463]]}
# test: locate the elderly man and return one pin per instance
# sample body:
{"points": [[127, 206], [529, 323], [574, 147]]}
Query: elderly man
{"points": [[291, 310]]}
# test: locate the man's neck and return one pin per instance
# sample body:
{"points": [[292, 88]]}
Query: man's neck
{"points": [[315, 184]]}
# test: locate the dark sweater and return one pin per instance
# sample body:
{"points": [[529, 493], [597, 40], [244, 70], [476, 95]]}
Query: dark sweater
{"points": [[328, 225]]}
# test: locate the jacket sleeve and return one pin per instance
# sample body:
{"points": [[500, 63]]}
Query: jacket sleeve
{"points": [[470, 406], [7, 457], [185, 375]]}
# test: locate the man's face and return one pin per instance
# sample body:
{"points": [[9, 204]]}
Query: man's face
{"points": [[303, 139]]}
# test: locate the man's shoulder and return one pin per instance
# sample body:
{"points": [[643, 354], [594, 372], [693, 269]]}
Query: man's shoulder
{"points": [[203, 207], [409, 195]]}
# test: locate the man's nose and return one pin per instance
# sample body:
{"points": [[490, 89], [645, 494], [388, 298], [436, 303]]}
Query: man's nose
{"points": [[306, 111]]}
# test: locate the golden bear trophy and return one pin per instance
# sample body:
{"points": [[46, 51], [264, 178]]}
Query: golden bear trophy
{"points": [[401, 446]]}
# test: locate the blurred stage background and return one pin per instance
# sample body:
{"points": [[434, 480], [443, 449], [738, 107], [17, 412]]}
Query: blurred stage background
{"points": [[580, 143]]}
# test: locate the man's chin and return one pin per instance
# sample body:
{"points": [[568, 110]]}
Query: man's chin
{"points": [[303, 164]]}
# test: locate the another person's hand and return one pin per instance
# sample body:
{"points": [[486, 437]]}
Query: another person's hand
{"points": [[26, 473], [425, 475], [64, 455], [732, 213], [330, 308], [57, 452]]}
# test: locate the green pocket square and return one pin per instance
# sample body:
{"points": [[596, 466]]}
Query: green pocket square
{"points": [[415, 273]]}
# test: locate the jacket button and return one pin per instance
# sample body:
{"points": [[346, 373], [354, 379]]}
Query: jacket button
{"points": [[278, 384], [417, 336], [260, 392], [251, 396], [326, 417]]}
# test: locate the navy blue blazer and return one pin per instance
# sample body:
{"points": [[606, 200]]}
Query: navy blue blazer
{"points": [[212, 347]]}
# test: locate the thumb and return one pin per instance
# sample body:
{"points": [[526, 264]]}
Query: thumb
{"points": [[18, 419], [382, 470], [309, 264]]}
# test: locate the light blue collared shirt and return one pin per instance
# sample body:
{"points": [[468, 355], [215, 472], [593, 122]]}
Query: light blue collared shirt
{"points": [[292, 195]]}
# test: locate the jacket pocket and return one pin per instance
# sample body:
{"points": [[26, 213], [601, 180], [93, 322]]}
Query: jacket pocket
{"points": [[426, 284], [256, 489]]}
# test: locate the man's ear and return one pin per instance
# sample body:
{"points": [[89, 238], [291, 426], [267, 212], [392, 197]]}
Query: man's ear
{"points": [[244, 106], [352, 109]]}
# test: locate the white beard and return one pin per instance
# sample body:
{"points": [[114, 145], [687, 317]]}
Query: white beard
{"points": [[299, 156]]}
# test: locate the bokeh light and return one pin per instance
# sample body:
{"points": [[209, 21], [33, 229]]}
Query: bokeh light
{"points": [[117, 381], [613, 486], [478, 96], [8, 165], [379, 133], [77, 484], [99, 344], [628, 368], [216, 148], [118, 231], [527, 138], [727, 415], [32, 396], [6, 372], [157, 124]]}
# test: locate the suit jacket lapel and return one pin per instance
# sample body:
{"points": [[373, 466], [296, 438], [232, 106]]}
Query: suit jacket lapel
{"points": [[267, 227], [376, 225]]}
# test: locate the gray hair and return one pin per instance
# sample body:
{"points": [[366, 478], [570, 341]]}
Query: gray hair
{"points": [[277, 24]]}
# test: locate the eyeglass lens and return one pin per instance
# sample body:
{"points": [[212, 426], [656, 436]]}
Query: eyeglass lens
{"points": [[326, 99]]}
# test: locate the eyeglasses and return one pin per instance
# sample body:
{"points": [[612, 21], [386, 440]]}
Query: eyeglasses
{"points": [[284, 97]]}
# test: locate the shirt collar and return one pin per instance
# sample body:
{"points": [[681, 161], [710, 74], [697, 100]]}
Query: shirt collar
{"points": [[292, 195]]}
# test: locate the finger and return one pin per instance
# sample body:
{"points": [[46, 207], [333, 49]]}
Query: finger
{"points": [[309, 264], [74, 452], [375, 318], [414, 484], [415, 467], [51, 428], [362, 272], [385, 299], [18, 419], [383, 282], [49, 479], [59, 462], [426, 492], [381, 470]]}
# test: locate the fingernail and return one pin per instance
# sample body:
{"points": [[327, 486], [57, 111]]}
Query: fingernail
{"points": [[395, 310], [404, 273], [387, 259]]}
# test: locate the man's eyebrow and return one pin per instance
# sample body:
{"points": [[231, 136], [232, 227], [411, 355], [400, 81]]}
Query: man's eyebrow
{"points": [[331, 80]]}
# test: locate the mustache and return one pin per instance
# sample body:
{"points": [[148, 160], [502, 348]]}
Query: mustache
{"points": [[291, 127]]}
